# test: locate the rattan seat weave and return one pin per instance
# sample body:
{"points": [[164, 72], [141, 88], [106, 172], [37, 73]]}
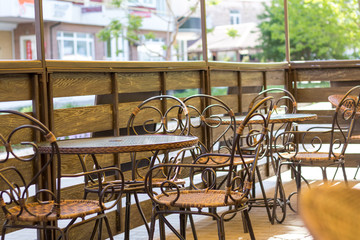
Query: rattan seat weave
{"points": [[311, 157], [68, 209], [223, 159], [201, 198], [331, 212]]}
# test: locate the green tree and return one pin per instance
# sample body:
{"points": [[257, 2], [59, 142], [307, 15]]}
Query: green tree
{"points": [[130, 29], [318, 29]]}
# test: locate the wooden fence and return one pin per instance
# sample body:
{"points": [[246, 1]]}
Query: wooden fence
{"points": [[119, 86]]}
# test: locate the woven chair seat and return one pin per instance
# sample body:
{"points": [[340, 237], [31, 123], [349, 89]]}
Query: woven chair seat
{"points": [[201, 198], [311, 157], [68, 209], [223, 159]]}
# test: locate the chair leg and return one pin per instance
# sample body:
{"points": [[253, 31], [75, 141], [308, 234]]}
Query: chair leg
{"points": [[182, 224], [221, 228], [100, 228], [263, 193], [108, 227], [298, 178], [162, 228], [152, 224], [357, 170], [344, 172], [191, 219], [141, 212], [248, 223], [94, 229], [278, 182], [3, 230], [324, 173], [127, 216]]}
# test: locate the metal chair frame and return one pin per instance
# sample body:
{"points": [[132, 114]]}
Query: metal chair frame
{"points": [[46, 207], [169, 198]]}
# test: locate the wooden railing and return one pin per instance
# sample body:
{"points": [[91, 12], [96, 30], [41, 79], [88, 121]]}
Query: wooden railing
{"points": [[120, 86]]}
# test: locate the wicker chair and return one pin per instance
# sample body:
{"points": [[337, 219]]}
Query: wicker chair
{"points": [[284, 103], [170, 198], [213, 122], [156, 115], [335, 100], [311, 152], [330, 212], [40, 210], [206, 122]]}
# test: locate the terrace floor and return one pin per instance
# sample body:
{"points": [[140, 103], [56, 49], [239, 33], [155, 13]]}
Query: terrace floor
{"points": [[292, 228]]}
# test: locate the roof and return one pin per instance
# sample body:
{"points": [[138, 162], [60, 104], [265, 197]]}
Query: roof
{"points": [[219, 40]]}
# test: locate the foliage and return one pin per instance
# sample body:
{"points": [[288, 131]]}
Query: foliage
{"points": [[26, 109], [213, 2], [232, 32], [318, 29], [186, 92], [130, 29], [219, 91]]}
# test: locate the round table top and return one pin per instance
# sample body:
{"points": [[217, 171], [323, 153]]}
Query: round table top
{"points": [[274, 118], [121, 144]]}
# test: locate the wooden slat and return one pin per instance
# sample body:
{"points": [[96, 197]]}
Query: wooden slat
{"points": [[223, 78], [246, 99], [312, 94], [77, 120], [275, 78], [57, 65], [24, 167], [125, 110], [231, 101], [80, 84], [323, 116], [71, 163], [182, 80], [138, 82], [247, 66], [345, 74], [15, 87], [251, 79], [9, 122]]}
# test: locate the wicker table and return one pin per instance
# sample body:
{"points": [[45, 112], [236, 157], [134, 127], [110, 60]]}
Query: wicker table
{"points": [[123, 144]]}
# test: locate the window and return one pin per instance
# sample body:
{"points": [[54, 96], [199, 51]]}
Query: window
{"points": [[235, 17], [75, 46], [17, 30], [146, 3]]}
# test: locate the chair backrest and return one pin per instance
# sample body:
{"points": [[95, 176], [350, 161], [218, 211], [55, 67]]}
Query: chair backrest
{"points": [[284, 101], [338, 135], [37, 177], [257, 136], [212, 121], [235, 183], [20, 142], [164, 114], [344, 120]]}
